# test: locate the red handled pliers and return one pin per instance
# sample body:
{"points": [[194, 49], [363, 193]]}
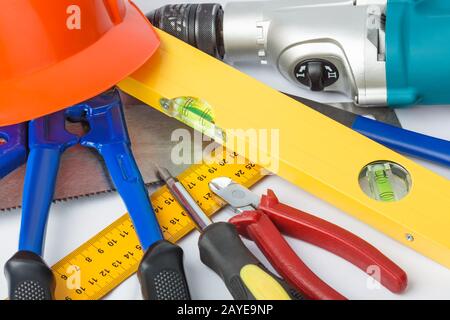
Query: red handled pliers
{"points": [[261, 220]]}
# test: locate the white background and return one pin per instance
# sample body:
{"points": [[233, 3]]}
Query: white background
{"points": [[74, 222]]}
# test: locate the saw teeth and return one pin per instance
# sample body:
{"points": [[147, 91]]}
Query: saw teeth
{"points": [[9, 209], [87, 195]]}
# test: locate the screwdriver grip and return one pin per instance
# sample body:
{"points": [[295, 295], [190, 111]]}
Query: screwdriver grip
{"points": [[29, 277], [161, 273], [222, 250]]}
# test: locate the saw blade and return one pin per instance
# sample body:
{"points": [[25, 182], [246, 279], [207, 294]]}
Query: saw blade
{"points": [[382, 114], [82, 171]]}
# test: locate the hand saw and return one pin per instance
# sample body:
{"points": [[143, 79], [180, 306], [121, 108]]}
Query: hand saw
{"points": [[315, 152], [82, 172]]}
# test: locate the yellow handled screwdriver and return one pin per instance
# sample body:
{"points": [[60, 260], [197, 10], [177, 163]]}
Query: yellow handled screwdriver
{"points": [[222, 250]]}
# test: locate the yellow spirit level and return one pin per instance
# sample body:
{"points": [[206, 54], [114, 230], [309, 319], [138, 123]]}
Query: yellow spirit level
{"points": [[315, 152]]}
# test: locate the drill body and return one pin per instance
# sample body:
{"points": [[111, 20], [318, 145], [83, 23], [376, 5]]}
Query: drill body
{"points": [[376, 52]]}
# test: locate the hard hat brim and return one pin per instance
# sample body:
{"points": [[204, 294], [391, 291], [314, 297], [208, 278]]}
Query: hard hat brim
{"points": [[120, 52]]}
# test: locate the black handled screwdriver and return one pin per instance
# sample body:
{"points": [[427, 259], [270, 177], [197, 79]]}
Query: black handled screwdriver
{"points": [[222, 250]]}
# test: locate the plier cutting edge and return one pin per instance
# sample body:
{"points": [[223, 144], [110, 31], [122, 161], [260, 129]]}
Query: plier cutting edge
{"points": [[161, 270], [262, 220]]}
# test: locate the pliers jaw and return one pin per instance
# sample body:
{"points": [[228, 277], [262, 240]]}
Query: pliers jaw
{"points": [[103, 115], [49, 132], [237, 196], [105, 119]]}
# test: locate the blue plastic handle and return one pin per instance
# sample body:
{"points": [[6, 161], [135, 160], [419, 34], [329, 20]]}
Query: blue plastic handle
{"points": [[405, 141], [13, 148], [108, 135], [39, 187], [47, 141], [129, 183]]}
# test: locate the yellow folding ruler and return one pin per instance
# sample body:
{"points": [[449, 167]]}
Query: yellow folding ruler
{"points": [[111, 256], [314, 152]]}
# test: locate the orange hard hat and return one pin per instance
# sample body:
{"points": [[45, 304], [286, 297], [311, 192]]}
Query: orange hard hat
{"points": [[54, 54]]}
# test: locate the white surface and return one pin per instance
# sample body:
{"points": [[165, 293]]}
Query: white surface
{"points": [[74, 222]]}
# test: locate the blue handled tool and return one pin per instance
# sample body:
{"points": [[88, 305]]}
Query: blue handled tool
{"points": [[48, 139], [109, 138], [401, 140], [28, 275], [13, 147]]}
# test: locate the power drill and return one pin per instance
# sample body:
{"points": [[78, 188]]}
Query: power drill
{"points": [[376, 52]]}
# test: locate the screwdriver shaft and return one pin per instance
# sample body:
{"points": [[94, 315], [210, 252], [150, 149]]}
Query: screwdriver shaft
{"points": [[185, 199]]}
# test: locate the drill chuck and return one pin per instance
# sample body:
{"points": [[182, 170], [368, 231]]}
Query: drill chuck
{"points": [[200, 25]]}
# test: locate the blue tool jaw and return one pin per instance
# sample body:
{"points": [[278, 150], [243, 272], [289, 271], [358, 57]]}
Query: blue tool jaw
{"points": [[104, 115], [13, 148], [50, 132]]}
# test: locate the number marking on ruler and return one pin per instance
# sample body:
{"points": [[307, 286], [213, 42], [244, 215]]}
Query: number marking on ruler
{"points": [[110, 257]]}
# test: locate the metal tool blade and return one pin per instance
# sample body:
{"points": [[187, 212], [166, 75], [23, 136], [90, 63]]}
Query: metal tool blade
{"points": [[344, 117], [382, 114], [237, 196], [82, 172]]}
